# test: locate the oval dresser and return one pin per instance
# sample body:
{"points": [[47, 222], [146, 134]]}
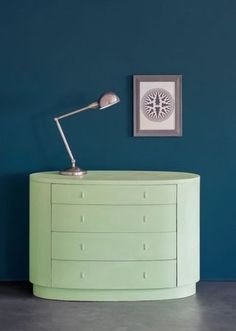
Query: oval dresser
{"points": [[114, 235]]}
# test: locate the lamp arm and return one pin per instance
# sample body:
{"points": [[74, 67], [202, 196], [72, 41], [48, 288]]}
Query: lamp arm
{"points": [[93, 105], [73, 161]]}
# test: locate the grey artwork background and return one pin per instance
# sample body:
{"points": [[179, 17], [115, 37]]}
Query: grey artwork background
{"points": [[139, 105]]}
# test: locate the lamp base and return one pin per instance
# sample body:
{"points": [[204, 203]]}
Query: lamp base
{"points": [[74, 171]]}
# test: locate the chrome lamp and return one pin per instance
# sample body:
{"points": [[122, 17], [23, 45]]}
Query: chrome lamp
{"points": [[106, 100]]}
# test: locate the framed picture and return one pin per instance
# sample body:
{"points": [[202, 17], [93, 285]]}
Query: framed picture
{"points": [[157, 105]]}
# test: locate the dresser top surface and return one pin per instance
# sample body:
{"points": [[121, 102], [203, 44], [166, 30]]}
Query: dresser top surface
{"points": [[116, 177]]}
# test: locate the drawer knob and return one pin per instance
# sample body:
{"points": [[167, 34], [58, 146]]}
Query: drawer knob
{"points": [[82, 247], [82, 275], [81, 219], [82, 195], [144, 275], [144, 219], [145, 195], [144, 247]]}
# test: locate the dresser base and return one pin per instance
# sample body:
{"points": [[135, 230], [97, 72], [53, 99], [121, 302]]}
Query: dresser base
{"points": [[113, 295]]}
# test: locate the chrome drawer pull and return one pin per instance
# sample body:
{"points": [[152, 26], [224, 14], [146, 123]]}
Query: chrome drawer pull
{"points": [[82, 275], [144, 219], [144, 247], [145, 195], [144, 275], [81, 219], [82, 247]]}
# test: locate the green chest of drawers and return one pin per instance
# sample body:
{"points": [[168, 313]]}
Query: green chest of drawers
{"points": [[114, 235]]}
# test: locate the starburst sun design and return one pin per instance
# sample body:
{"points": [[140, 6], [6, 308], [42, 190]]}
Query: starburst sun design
{"points": [[157, 104]]}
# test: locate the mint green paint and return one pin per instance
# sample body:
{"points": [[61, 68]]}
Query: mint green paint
{"points": [[40, 233], [113, 246], [133, 232], [113, 275], [123, 177], [79, 218], [113, 194], [188, 249], [114, 295]]}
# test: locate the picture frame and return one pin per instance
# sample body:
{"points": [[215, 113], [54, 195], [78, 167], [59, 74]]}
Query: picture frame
{"points": [[157, 105]]}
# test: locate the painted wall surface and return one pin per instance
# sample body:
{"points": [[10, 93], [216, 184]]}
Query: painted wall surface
{"points": [[57, 56]]}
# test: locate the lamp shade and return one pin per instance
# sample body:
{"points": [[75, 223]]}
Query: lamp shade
{"points": [[108, 99]]}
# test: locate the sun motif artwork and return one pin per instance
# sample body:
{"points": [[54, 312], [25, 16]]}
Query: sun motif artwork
{"points": [[157, 104]]}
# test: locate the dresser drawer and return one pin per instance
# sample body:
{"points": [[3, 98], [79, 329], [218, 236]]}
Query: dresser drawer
{"points": [[100, 218], [113, 246], [113, 194], [113, 275]]}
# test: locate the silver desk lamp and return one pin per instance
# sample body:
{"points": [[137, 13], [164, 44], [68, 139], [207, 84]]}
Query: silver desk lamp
{"points": [[106, 100]]}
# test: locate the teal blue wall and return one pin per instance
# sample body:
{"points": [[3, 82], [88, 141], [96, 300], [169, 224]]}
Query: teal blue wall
{"points": [[59, 55]]}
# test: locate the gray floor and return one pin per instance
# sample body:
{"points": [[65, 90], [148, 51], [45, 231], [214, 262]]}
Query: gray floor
{"points": [[212, 309]]}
